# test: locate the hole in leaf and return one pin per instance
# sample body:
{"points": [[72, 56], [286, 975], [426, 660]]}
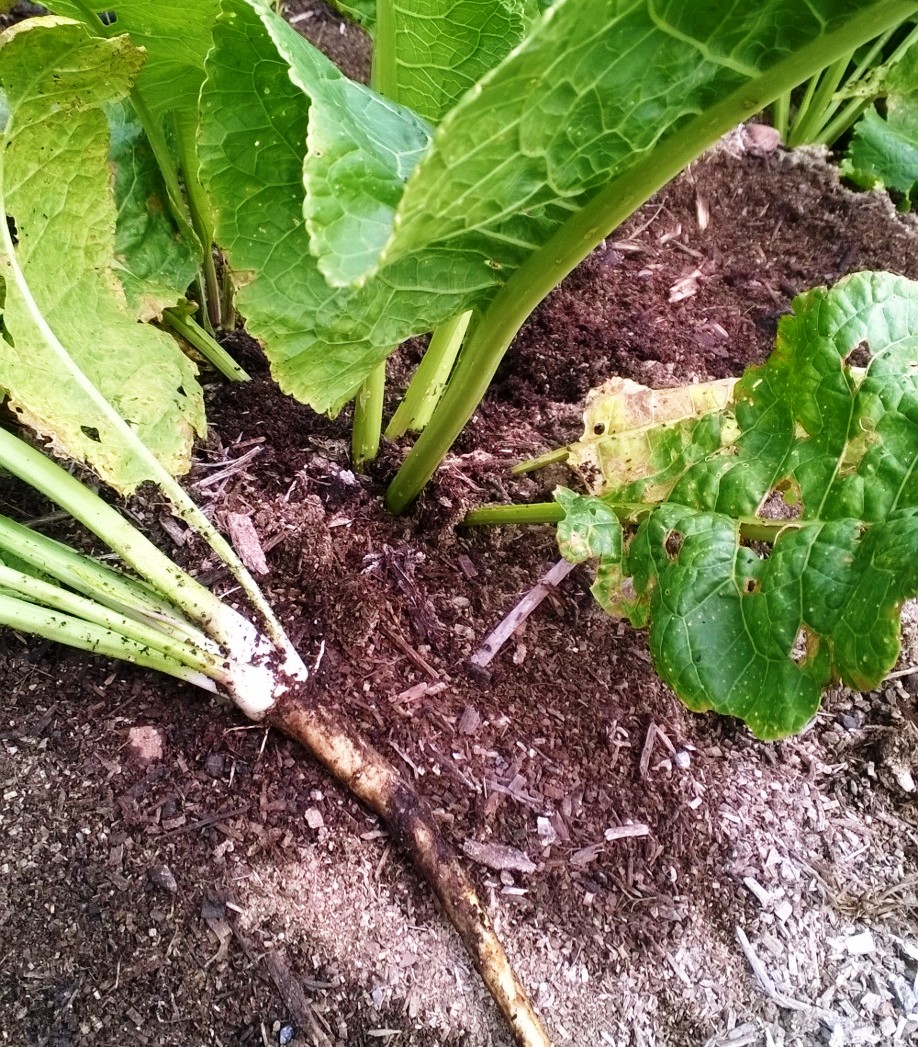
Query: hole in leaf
{"points": [[672, 544], [782, 502], [91, 433], [860, 356], [805, 644], [599, 429], [107, 17], [11, 225], [751, 585]]}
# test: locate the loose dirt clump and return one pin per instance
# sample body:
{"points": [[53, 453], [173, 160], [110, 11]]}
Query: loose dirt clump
{"points": [[170, 875]]}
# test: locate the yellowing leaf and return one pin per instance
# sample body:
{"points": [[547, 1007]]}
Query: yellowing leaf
{"points": [[632, 432], [68, 334]]}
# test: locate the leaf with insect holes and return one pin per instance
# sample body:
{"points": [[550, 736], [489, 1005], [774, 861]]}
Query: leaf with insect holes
{"points": [[65, 315], [639, 438], [174, 35], [780, 558]]}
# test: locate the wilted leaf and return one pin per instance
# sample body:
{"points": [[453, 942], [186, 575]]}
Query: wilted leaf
{"points": [[65, 313], [781, 558], [632, 433]]}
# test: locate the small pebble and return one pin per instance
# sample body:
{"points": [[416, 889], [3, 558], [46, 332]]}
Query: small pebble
{"points": [[314, 818], [285, 1033], [161, 876], [682, 760], [214, 765], [784, 910], [860, 944]]}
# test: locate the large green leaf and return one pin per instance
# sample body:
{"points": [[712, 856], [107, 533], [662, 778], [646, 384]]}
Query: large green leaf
{"points": [[821, 464], [572, 112], [569, 120], [321, 342], [360, 150], [65, 317]]}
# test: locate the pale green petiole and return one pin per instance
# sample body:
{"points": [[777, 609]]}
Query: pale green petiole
{"points": [[430, 379], [207, 346], [817, 102], [366, 429], [559, 454], [54, 598], [185, 128], [87, 636], [198, 603], [121, 537], [629, 513], [114, 590]]}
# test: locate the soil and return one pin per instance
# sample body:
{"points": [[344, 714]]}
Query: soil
{"points": [[173, 875]]}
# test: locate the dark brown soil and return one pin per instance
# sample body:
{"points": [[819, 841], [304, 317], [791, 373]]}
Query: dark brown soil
{"points": [[221, 890]]}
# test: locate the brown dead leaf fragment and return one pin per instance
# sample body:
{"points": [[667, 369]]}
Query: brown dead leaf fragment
{"points": [[248, 544]]}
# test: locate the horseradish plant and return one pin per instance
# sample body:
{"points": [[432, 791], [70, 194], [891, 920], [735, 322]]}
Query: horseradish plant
{"points": [[119, 395], [136, 134]]}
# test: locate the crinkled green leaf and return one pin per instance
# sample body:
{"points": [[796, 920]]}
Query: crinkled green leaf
{"points": [[443, 47], [591, 530], [884, 151], [60, 279], [321, 342], [825, 470], [154, 263], [575, 112], [174, 34], [360, 150], [595, 90]]}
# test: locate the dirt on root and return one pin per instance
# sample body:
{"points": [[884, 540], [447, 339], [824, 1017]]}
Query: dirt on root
{"points": [[172, 875]]}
